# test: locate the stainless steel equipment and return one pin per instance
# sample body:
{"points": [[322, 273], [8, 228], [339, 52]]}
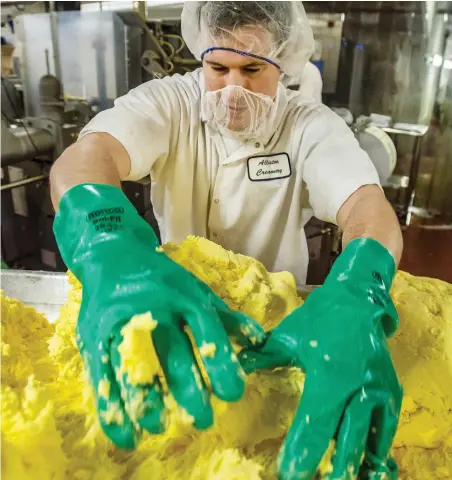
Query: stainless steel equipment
{"points": [[405, 210], [378, 145], [99, 54], [327, 30], [21, 143], [96, 58], [45, 291], [88, 56], [351, 77], [47, 135], [29, 147]]}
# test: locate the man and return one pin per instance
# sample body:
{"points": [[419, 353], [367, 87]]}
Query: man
{"points": [[235, 157]]}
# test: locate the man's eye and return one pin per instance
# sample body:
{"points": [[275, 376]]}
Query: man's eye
{"points": [[220, 69], [251, 70]]}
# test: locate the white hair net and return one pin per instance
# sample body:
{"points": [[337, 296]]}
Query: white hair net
{"points": [[283, 37]]}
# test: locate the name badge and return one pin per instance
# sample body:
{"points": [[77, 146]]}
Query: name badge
{"points": [[269, 167]]}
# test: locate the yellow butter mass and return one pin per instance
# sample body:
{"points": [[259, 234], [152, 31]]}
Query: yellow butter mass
{"points": [[138, 356], [50, 428]]}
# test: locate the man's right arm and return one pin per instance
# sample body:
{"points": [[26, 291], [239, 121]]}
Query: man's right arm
{"points": [[96, 158], [113, 252]]}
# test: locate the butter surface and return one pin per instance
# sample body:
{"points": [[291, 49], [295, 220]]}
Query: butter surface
{"points": [[50, 428]]}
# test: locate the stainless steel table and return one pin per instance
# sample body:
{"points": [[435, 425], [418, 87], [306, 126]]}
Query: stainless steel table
{"points": [[45, 291]]}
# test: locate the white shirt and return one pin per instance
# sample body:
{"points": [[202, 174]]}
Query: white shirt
{"points": [[310, 83], [197, 188]]}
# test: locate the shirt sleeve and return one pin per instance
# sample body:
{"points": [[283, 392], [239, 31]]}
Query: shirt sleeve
{"points": [[334, 166], [142, 121], [311, 84]]}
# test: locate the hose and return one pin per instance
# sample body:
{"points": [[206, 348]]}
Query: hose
{"points": [[176, 37], [173, 52], [20, 183]]}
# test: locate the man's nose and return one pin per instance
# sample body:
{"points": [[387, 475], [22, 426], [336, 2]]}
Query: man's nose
{"points": [[236, 78]]}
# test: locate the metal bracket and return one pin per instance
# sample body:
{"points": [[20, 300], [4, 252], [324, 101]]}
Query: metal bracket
{"points": [[149, 61]]}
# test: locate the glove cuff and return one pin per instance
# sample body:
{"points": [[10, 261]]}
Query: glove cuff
{"points": [[367, 268], [364, 256], [93, 215]]}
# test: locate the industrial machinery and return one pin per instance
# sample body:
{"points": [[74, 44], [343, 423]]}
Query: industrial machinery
{"points": [[29, 146], [96, 57], [378, 145]]}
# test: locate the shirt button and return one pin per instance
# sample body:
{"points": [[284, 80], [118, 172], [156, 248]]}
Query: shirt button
{"points": [[216, 200], [257, 144], [214, 234]]}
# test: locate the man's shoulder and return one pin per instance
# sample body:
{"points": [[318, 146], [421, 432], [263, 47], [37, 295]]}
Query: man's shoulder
{"points": [[305, 112], [312, 123]]}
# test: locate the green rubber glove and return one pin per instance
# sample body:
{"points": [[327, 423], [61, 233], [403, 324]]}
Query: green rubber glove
{"points": [[112, 251], [351, 392]]}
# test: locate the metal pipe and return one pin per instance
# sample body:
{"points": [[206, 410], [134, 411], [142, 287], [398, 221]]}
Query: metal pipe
{"points": [[153, 38], [47, 61], [55, 42], [434, 58], [23, 143], [21, 183], [414, 171]]}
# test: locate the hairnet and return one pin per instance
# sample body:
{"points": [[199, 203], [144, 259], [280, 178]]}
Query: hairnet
{"points": [[284, 36]]}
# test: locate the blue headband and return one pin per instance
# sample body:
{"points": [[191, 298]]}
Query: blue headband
{"points": [[240, 52]]}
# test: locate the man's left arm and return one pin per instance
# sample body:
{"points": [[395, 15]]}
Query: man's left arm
{"points": [[367, 214], [338, 336]]}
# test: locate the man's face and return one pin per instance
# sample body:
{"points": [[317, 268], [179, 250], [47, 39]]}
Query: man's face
{"points": [[224, 68]]}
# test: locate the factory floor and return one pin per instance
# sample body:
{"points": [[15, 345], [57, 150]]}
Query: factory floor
{"points": [[427, 249]]}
